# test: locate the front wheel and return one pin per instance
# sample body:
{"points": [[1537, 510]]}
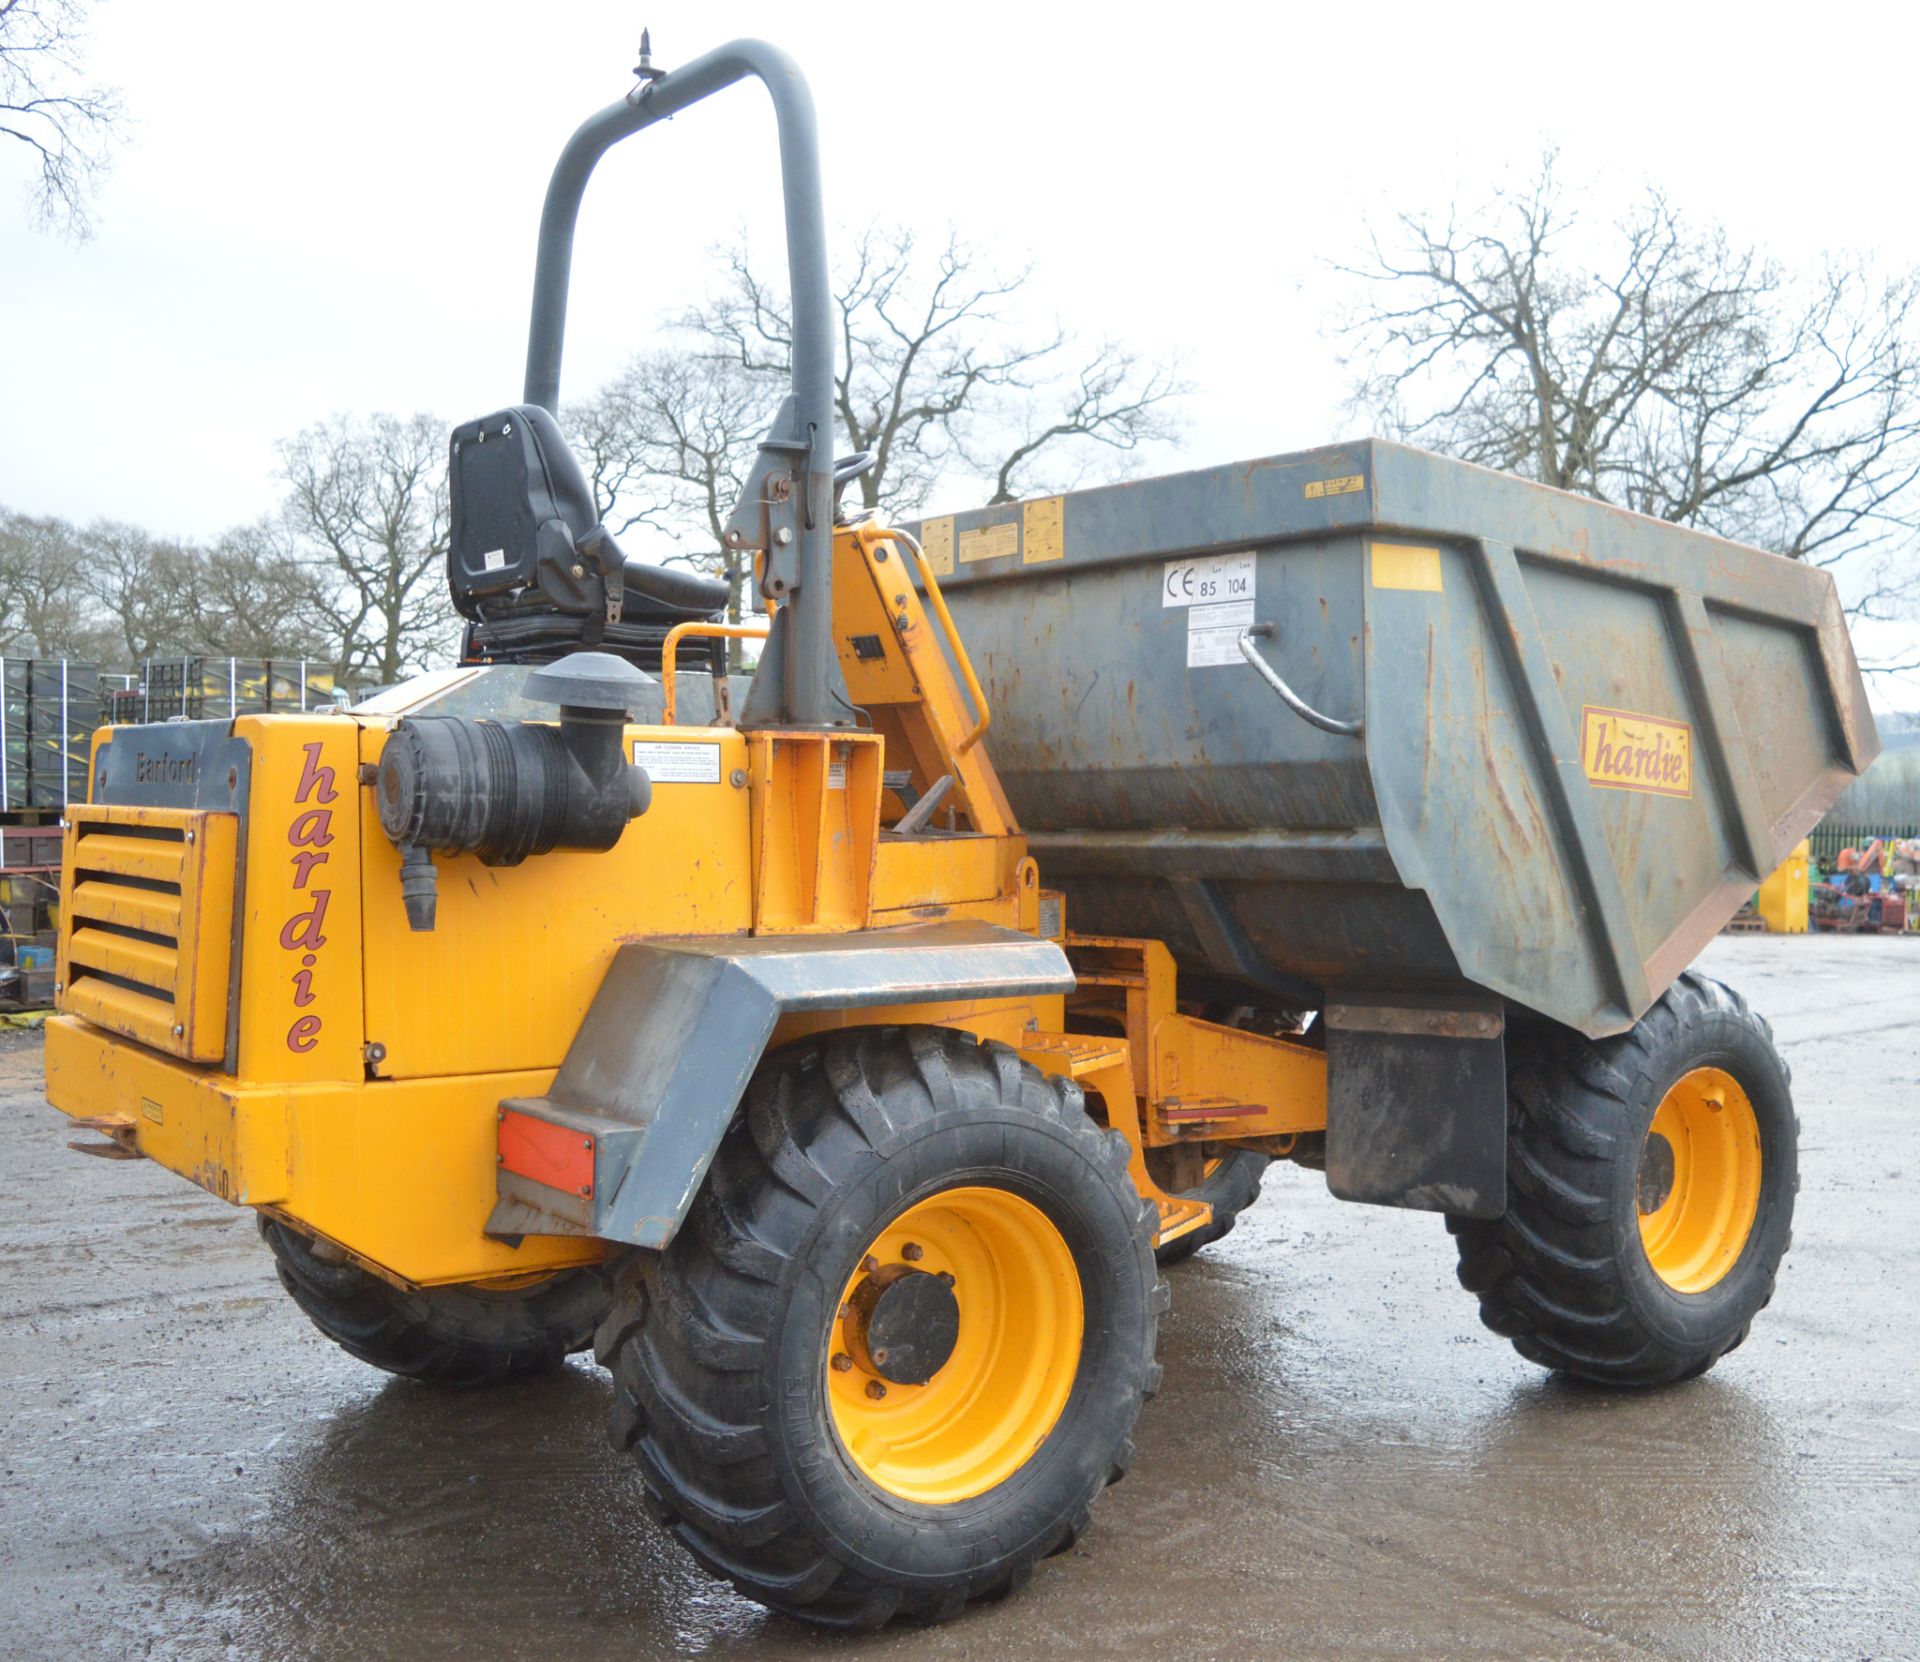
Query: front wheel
{"points": [[1650, 1188], [900, 1343]]}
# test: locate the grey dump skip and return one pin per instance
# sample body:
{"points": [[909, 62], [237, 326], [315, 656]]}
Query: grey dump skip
{"points": [[678, 1027], [1583, 736]]}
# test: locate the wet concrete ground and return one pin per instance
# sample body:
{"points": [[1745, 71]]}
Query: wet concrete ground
{"points": [[1342, 1463]]}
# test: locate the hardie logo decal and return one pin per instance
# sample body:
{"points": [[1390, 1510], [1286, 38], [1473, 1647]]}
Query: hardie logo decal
{"points": [[1627, 752], [309, 836]]}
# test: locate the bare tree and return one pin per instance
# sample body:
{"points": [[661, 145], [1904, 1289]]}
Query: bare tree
{"points": [[117, 594], [366, 515], [668, 444], [68, 128], [1657, 365], [1114, 402], [937, 373], [146, 587], [45, 608], [255, 599]]}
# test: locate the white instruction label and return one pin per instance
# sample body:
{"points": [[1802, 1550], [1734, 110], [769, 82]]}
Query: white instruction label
{"points": [[1207, 582], [668, 763], [1213, 633], [495, 559], [836, 776]]}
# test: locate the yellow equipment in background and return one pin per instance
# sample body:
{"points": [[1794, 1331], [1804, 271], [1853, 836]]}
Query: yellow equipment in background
{"points": [[1786, 894]]}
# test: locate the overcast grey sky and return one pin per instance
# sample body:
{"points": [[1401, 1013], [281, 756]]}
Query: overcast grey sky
{"points": [[333, 209]]}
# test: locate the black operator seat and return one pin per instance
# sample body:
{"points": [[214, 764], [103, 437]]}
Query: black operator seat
{"points": [[525, 531]]}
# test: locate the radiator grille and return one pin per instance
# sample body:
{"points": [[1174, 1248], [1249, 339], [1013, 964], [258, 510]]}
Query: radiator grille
{"points": [[146, 925]]}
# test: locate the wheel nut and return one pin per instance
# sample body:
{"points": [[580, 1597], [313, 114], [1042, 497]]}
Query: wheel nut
{"points": [[875, 1389], [869, 1263], [841, 1361], [947, 1277], [913, 1252], [846, 1312]]}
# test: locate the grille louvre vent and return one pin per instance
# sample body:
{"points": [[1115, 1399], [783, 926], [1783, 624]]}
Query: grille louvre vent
{"points": [[146, 925]]}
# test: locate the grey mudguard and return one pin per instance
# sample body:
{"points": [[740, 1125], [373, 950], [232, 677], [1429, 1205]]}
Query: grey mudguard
{"points": [[676, 1030]]}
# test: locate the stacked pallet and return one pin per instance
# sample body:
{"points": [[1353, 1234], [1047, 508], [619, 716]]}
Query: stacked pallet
{"points": [[29, 918], [209, 689], [49, 708]]}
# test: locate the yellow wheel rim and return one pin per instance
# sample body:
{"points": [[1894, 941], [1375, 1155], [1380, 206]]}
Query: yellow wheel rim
{"points": [[513, 1283], [992, 1402], [1699, 1180]]}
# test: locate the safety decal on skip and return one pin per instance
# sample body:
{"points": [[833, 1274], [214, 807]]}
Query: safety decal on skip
{"points": [[936, 542], [1043, 530], [1218, 594], [990, 542], [669, 763]]}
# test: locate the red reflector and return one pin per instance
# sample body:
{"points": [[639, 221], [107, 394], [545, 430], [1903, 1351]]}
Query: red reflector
{"points": [[546, 1153]]}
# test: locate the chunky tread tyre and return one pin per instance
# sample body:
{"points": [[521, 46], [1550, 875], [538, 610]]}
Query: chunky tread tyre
{"points": [[442, 1335], [1231, 1187], [1563, 1274], [716, 1345]]}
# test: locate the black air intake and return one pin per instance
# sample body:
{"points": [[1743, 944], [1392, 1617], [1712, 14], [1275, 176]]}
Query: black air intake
{"points": [[507, 790]]}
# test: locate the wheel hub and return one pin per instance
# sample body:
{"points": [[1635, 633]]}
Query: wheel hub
{"points": [[1654, 1182], [903, 1324]]}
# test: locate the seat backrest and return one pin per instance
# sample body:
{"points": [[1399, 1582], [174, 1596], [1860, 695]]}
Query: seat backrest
{"points": [[520, 502]]}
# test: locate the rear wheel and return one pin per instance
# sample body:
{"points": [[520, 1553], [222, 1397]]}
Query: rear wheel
{"points": [[1650, 1188], [1229, 1183], [468, 1335], [899, 1345]]}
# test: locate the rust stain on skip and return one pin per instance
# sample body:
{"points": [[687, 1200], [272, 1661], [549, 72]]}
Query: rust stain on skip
{"points": [[1426, 755]]}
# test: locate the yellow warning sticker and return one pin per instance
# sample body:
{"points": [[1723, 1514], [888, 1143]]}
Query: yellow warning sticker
{"points": [[1623, 751], [1345, 485], [990, 542], [1398, 565], [1043, 530], [936, 542]]}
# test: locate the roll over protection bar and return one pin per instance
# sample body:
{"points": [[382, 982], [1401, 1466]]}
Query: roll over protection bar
{"points": [[806, 612]]}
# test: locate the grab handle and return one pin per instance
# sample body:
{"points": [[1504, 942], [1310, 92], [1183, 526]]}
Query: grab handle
{"points": [[1293, 701], [982, 715], [706, 631]]}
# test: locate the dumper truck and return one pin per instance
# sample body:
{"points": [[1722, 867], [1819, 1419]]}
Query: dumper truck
{"points": [[840, 1052]]}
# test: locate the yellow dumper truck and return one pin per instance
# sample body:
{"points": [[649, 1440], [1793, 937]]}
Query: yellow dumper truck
{"points": [[836, 1050]]}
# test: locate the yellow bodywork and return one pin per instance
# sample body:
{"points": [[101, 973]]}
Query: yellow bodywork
{"points": [[275, 1031], [400, 1173], [517, 953]]}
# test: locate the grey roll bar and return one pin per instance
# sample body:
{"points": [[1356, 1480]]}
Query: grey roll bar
{"points": [[807, 609]]}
